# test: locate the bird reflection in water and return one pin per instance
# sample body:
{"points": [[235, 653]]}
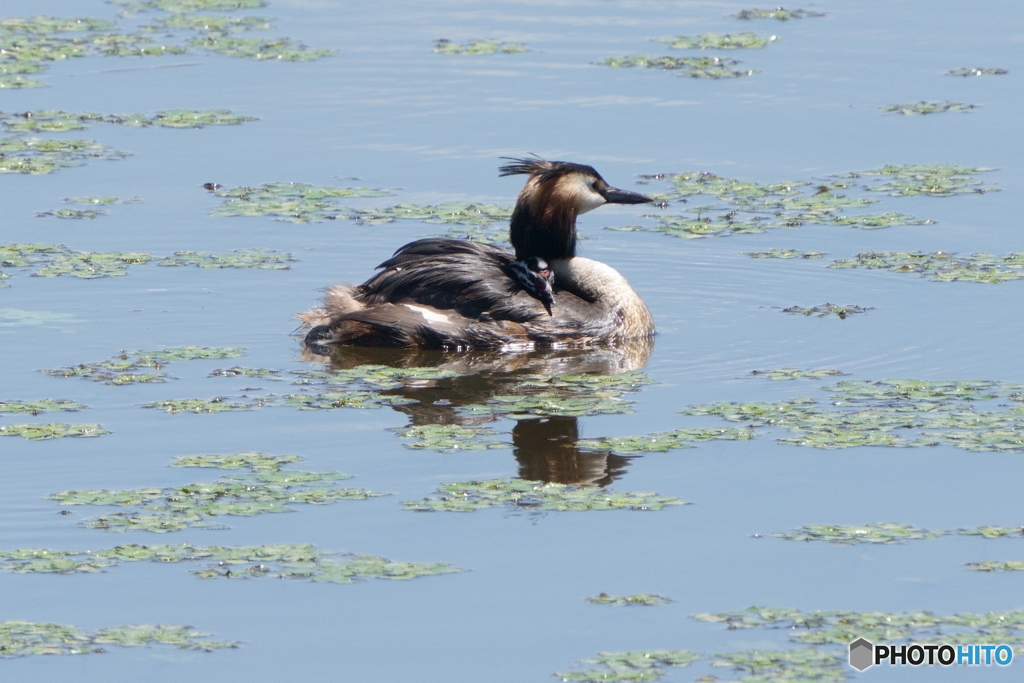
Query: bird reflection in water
{"points": [[544, 447]]}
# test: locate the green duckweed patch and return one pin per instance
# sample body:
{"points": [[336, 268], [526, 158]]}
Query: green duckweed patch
{"points": [[54, 260], [885, 533], [662, 442], [892, 412], [39, 156], [23, 638], [52, 430], [264, 259], [941, 266], [719, 41], [188, 6], [282, 49], [976, 71], [784, 254], [842, 627], [747, 207], [448, 438], [55, 121], [826, 309], [933, 180], [218, 404], [520, 494], [779, 14], [923, 108], [646, 666], [889, 533], [293, 202], [71, 213], [694, 67], [265, 488], [18, 82], [478, 47], [801, 664], [647, 599], [214, 23], [284, 561], [46, 405], [132, 366], [996, 566], [779, 374], [330, 400], [238, 371]]}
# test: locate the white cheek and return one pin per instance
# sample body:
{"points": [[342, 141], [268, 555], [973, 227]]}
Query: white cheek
{"points": [[589, 199]]}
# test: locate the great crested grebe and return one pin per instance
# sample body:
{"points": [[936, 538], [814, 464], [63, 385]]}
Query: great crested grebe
{"points": [[450, 294]]}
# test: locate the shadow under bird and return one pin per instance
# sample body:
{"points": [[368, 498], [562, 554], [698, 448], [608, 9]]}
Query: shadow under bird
{"points": [[451, 294]]}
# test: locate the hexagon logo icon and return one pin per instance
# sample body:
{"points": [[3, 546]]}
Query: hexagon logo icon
{"points": [[862, 654]]}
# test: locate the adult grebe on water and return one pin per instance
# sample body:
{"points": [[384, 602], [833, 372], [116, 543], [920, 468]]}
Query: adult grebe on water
{"points": [[458, 295]]}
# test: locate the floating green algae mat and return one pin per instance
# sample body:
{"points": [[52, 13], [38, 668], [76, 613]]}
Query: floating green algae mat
{"points": [[215, 23], [647, 599], [52, 430], [294, 202], [934, 180], [842, 627], [238, 371], [218, 404], [283, 561], [889, 533], [105, 201], [694, 67], [448, 438], [535, 495], [477, 47], [46, 405], [996, 566], [132, 366], [329, 400], [801, 664], [645, 666], [71, 213], [892, 412], [977, 71], [38, 156], [662, 442], [55, 121], [784, 254], [265, 488], [719, 41], [941, 266], [749, 207], [922, 108], [779, 374], [884, 532], [187, 6], [828, 633], [282, 49], [824, 310], [779, 14], [264, 259], [23, 638]]}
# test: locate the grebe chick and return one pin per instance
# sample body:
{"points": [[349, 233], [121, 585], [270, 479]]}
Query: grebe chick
{"points": [[534, 275], [441, 293]]}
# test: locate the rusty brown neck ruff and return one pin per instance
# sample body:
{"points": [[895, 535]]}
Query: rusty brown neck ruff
{"points": [[544, 221]]}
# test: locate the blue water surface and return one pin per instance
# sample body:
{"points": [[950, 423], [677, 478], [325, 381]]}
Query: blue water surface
{"points": [[387, 112]]}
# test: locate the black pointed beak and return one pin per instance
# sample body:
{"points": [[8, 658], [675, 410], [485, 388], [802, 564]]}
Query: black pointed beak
{"points": [[615, 196]]}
